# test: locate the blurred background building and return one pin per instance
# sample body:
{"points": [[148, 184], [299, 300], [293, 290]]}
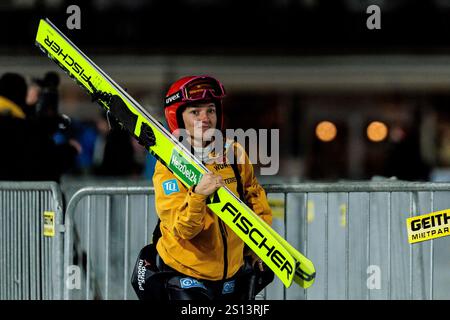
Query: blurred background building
{"points": [[351, 103]]}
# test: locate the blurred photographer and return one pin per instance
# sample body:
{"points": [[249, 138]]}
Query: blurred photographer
{"points": [[43, 99], [29, 152]]}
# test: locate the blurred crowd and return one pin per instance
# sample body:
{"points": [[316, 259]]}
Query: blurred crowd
{"points": [[39, 143]]}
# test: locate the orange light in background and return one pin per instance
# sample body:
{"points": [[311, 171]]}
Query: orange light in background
{"points": [[326, 131], [377, 131]]}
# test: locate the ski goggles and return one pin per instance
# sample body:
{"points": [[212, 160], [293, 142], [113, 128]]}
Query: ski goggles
{"points": [[197, 89]]}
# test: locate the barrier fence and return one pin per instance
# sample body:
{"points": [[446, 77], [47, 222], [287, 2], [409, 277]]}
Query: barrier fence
{"points": [[30, 262], [355, 233], [106, 228]]}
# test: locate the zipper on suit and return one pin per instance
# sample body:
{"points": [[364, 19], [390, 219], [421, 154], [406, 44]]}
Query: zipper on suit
{"points": [[225, 249]]}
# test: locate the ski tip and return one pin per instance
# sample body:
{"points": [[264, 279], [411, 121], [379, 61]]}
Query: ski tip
{"points": [[42, 25], [43, 22], [45, 19], [305, 274], [305, 283]]}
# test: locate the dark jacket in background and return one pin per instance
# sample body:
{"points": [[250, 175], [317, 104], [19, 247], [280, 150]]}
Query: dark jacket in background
{"points": [[28, 152]]}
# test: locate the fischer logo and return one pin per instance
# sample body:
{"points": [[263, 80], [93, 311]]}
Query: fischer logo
{"points": [[259, 239], [141, 273], [69, 61], [173, 98]]}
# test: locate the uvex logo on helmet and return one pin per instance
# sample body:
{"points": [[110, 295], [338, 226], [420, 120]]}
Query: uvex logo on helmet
{"points": [[173, 98], [189, 90]]}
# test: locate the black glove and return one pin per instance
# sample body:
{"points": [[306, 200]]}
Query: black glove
{"points": [[147, 137], [120, 115]]}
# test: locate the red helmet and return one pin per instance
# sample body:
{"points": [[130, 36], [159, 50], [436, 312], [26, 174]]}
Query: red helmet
{"points": [[188, 90]]}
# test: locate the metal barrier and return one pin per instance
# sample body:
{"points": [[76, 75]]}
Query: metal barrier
{"points": [[355, 233], [30, 263], [122, 219]]}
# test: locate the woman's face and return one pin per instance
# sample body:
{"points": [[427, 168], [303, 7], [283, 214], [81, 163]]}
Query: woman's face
{"points": [[199, 119]]}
